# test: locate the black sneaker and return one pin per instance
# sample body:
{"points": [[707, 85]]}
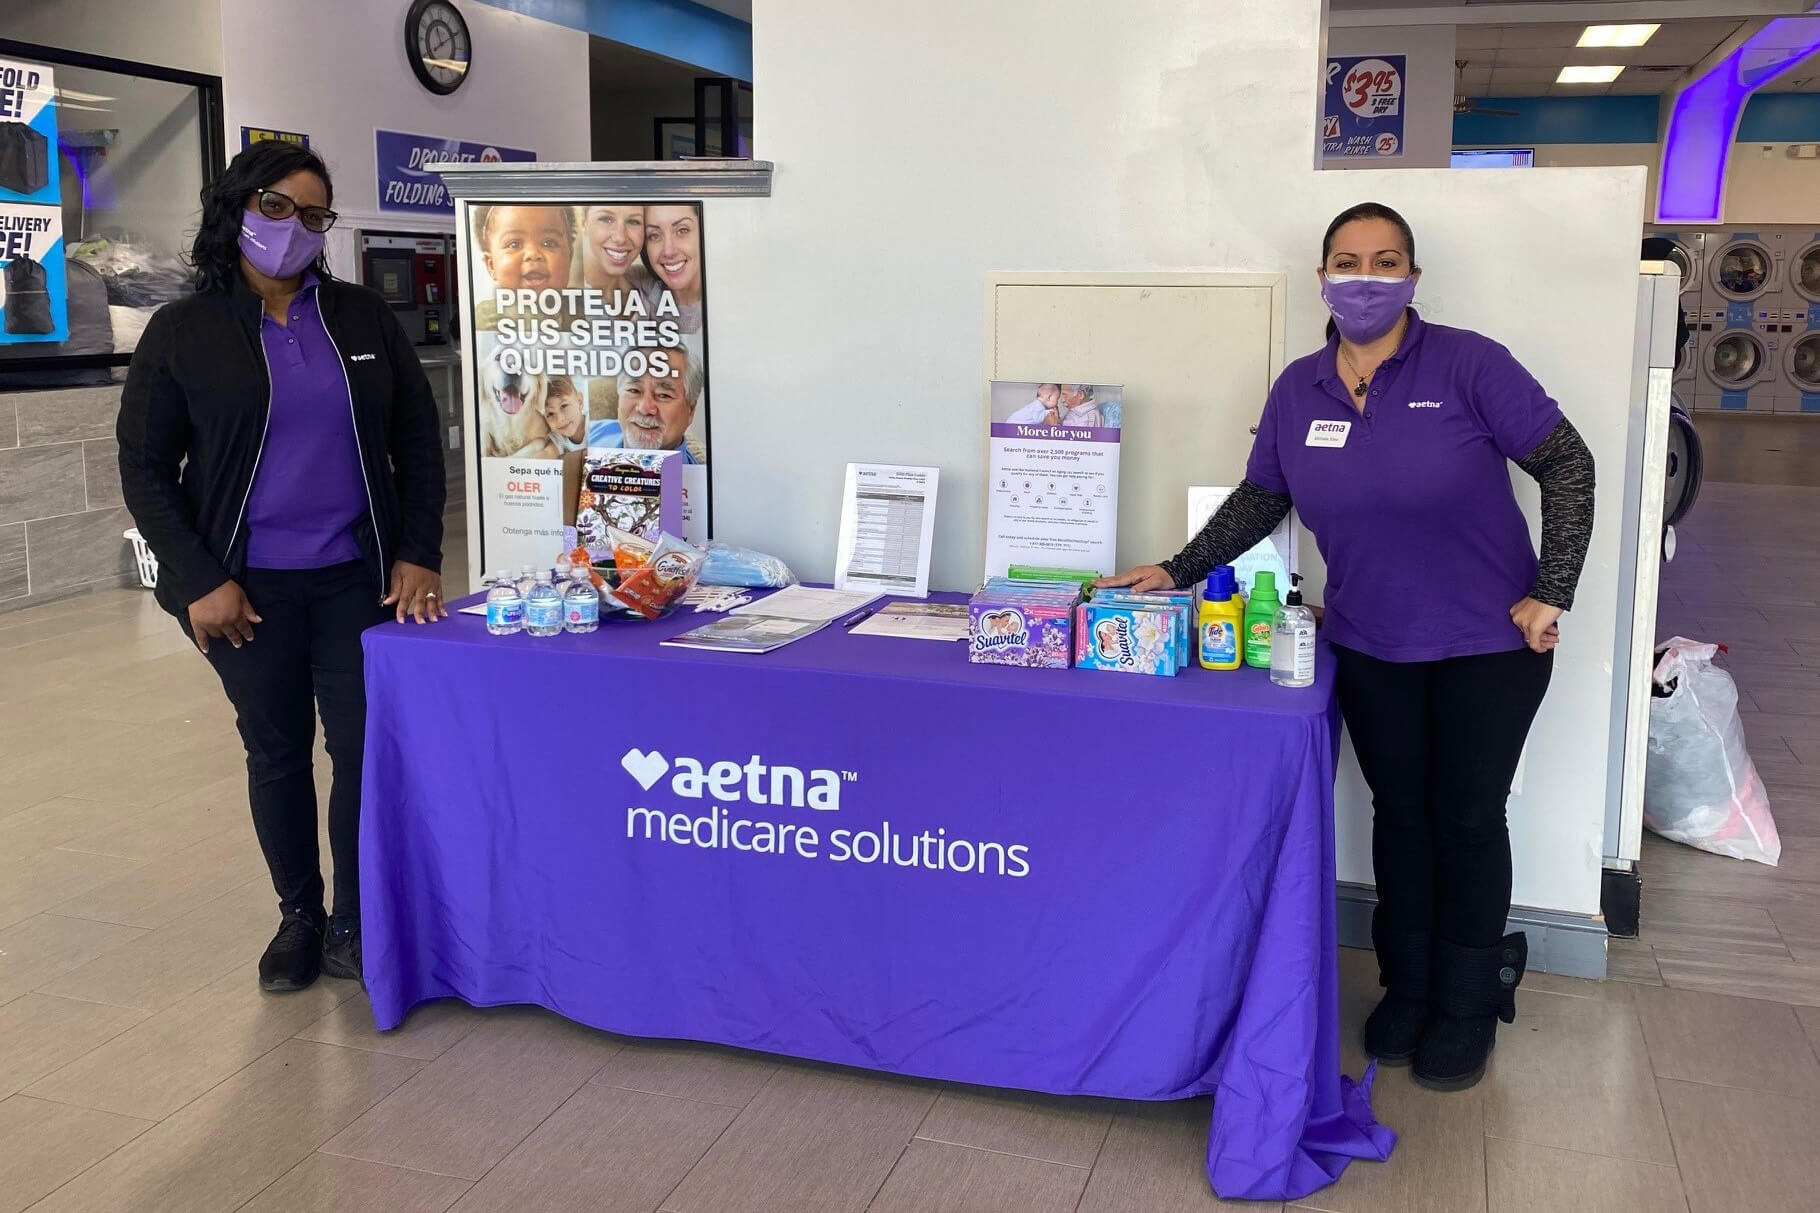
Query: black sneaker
{"points": [[341, 949], [294, 957]]}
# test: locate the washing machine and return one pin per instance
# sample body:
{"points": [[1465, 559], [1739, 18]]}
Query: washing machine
{"points": [[1688, 252], [1801, 352], [1740, 325]]}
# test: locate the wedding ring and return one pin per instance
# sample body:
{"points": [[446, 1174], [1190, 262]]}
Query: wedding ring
{"points": [[429, 595]]}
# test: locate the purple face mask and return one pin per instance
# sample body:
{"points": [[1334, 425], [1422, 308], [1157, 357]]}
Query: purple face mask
{"points": [[278, 248], [1365, 308]]}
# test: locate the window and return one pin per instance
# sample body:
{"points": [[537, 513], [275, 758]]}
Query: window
{"points": [[1494, 157], [132, 146]]}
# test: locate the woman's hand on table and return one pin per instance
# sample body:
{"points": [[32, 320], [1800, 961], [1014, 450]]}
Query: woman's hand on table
{"points": [[1539, 624], [417, 592], [1144, 578]]}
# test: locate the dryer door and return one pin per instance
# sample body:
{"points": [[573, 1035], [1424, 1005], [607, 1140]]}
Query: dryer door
{"points": [[1804, 273], [1735, 359], [1742, 269], [1803, 364]]}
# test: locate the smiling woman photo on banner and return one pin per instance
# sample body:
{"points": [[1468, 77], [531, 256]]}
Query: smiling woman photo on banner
{"points": [[613, 245], [673, 254]]}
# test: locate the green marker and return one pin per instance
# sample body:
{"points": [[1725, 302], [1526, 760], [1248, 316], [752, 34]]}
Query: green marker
{"points": [[1031, 572]]}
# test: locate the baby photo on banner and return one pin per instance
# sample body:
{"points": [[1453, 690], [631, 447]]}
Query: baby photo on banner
{"points": [[589, 333]]}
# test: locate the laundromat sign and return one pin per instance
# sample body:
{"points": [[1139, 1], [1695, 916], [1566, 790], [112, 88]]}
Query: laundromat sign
{"points": [[1362, 110], [408, 182]]}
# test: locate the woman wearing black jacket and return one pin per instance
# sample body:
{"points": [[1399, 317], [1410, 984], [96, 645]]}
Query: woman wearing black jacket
{"points": [[280, 452]]}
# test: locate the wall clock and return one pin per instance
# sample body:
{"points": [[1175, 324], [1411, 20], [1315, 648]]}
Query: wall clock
{"points": [[436, 43]]}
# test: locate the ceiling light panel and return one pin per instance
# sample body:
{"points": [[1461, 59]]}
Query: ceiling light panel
{"points": [[1618, 35], [1577, 74]]}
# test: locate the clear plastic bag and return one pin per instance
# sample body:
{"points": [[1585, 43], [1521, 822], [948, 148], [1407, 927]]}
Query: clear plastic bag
{"points": [[1700, 786], [729, 564]]}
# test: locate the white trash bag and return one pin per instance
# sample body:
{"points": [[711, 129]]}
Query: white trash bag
{"points": [[1700, 786]]}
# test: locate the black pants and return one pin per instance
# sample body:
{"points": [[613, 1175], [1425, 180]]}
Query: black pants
{"points": [[305, 657], [1439, 743]]}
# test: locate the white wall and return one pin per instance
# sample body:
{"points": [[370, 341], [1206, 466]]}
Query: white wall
{"points": [[848, 307], [336, 71], [1428, 90], [1762, 185], [171, 33]]}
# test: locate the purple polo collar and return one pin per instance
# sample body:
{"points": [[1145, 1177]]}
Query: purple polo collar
{"points": [[1327, 365]]}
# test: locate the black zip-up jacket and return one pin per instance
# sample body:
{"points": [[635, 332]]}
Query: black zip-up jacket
{"points": [[193, 422]]}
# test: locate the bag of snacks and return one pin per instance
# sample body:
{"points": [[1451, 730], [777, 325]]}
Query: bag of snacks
{"points": [[651, 582]]}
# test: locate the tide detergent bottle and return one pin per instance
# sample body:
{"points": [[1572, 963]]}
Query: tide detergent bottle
{"points": [[1222, 616], [1260, 616]]}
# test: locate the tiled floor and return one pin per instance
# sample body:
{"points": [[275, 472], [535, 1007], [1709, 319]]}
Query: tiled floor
{"points": [[141, 1069]]}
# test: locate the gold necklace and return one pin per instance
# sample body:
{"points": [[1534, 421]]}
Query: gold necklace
{"points": [[1358, 390]]}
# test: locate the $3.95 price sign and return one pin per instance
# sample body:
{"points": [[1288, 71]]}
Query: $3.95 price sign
{"points": [[1362, 109]]}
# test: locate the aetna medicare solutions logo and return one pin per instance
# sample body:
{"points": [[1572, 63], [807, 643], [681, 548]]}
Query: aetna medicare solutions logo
{"points": [[756, 781], [729, 815]]}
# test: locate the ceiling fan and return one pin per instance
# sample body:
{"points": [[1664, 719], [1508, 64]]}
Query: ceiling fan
{"points": [[1462, 104]]}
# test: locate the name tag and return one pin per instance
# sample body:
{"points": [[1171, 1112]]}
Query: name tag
{"points": [[1329, 433]]}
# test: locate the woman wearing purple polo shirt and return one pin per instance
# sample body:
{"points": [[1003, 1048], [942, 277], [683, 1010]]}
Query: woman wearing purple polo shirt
{"points": [[1393, 443], [280, 452]]}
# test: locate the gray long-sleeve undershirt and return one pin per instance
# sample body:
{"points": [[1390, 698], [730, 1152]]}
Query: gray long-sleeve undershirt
{"points": [[1561, 464]]}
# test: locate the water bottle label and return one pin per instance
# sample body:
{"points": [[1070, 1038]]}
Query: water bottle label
{"points": [[505, 614], [584, 610], [544, 614]]}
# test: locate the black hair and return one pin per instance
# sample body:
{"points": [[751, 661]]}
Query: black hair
{"points": [[1366, 210], [215, 254]]}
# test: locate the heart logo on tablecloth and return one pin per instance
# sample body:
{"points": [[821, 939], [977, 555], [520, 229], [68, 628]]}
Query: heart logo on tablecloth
{"points": [[646, 768]]}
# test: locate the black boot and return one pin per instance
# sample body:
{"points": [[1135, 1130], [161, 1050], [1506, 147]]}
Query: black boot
{"points": [[1474, 988], [341, 948], [1395, 1027]]}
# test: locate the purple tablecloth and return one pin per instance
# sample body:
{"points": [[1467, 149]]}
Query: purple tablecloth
{"points": [[1068, 881]]}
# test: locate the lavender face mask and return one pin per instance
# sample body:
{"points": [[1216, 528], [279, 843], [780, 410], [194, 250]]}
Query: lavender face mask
{"points": [[1365, 308], [278, 248]]}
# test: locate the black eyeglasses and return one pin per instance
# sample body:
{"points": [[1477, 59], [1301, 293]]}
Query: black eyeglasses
{"points": [[274, 205]]}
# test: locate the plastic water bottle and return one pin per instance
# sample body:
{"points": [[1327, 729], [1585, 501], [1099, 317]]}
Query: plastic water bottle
{"points": [[563, 569], [527, 578], [505, 606], [543, 608], [580, 603]]}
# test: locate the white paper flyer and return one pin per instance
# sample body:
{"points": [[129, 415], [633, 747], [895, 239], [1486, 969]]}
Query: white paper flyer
{"points": [[1052, 488]]}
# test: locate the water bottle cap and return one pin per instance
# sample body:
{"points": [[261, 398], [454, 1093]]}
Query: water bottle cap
{"points": [[1222, 583]]}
